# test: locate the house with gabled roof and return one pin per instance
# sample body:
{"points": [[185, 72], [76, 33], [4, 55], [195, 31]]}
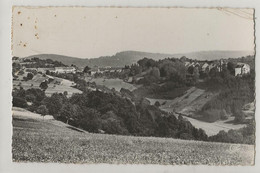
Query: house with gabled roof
{"points": [[241, 69]]}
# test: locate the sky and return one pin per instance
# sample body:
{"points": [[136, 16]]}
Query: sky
{"points": [[94, 32]]}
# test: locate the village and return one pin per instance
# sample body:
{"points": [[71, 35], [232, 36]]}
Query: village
{"points": [[122, 85], [203, 67]]}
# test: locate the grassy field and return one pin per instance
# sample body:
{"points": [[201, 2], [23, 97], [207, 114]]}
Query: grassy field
{"points": [[112, 83], [46, 140], [65, 85]]}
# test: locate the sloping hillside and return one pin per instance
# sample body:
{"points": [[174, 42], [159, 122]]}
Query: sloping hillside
{"points": [[191, 102], [58, 85], [129, 57], [67, 60], [214, 55], [46, 140]]}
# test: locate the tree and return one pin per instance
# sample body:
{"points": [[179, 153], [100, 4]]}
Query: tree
{"points": [[70, 112], [213, 72], [19, 102], [48, 72], [42, 109], [196, 74], [223, 114], [44, 85], [183, 59], [239, 116], [112, 124], [155, 72], [86, 69], [54, 103], [231, 68], [135, 69], [29, 76], [65, 93], [90, 120], [190, 69], [157, 104]]}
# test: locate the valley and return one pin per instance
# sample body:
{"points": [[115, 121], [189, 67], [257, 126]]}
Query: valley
{"points": [[188, 104]]}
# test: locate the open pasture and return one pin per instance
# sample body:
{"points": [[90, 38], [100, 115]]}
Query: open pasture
{"points": [[47, 140], [112, 83]]}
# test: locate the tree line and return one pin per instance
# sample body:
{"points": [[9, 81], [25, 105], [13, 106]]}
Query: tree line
{"points": [[108, 113]]}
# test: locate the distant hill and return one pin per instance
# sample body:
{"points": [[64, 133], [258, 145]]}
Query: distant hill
{"points": [[214, 55], [67, 60], [129, 57]]}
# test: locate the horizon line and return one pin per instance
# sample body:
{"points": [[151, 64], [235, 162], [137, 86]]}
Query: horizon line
{"points": [[139, 51]]}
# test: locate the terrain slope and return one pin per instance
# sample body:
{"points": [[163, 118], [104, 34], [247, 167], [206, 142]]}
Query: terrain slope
{"points": [[38, 139]]}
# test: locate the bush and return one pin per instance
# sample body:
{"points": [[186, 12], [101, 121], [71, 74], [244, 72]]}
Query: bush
{"points": [[19, 102]]}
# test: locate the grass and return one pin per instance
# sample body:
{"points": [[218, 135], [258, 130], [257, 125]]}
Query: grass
{"points": [[112, 83], [52, 88], [38, 140]]}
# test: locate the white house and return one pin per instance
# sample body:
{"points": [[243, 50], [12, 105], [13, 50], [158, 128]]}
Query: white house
{"points": [[187, 64], [242, 69], [211, 66], [204, 67]]}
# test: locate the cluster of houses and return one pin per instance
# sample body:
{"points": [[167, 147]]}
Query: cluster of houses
{"points": [[56, 69], [102, 70], [72, 69], [202, 66], [206, 66]]}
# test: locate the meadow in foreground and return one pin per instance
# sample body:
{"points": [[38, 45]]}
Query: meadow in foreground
{"points": [[39, 140]]}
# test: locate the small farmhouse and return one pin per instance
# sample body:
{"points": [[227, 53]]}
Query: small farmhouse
{"points": [[242, 69]]}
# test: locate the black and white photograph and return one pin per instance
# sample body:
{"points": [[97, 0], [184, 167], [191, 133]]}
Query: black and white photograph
{"points": [[110, 85]]}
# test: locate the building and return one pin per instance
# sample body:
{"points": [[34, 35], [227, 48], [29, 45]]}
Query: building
{"points": [[242, 69], [204, 67], [65, 70], [44, 70], [94, 70]]}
